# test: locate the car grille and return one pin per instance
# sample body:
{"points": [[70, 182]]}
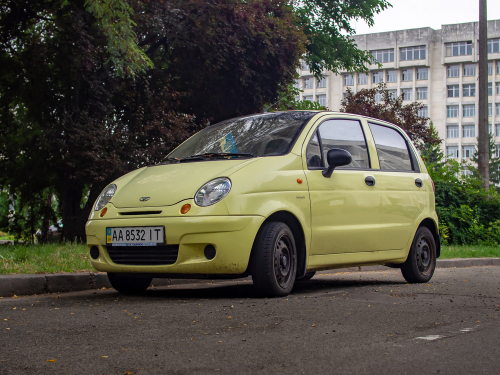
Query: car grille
{"points": [[144, 255]]}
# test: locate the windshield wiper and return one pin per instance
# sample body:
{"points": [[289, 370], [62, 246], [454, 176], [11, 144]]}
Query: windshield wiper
{"points": [[210, 155], [169, 161]]}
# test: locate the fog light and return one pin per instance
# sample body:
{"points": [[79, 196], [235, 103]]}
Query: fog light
{"points": [[209, 252], [94, 252]]}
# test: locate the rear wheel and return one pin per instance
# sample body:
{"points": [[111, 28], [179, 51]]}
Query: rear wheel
{"points": [[421, 262], [274, 261], [129, 284]]}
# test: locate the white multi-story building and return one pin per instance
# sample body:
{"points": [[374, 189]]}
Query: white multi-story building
{"points": [[436, 67]]}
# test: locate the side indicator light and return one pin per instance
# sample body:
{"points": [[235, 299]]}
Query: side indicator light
{"points": [[185, 209], [103, 212], [299, 180]]}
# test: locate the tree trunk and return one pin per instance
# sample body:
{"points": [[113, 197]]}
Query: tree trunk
{"points": [[45, 234], [483, 138], [73, 217]]}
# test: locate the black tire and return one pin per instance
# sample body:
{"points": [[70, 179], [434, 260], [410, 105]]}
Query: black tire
{"points": [[308, 276], [421, 262], [127, 284], [274, 260]]}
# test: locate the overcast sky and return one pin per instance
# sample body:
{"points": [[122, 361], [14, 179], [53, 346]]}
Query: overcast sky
{"points": [[407, 14]]}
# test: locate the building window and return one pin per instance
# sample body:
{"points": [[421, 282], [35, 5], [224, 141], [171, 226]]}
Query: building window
{"points": [[423, 112], [490, 88], [452, 131], [321, 99], [459, 49], [469, 90], [393, 93], [308, 83], [468, 131], [348, 80], [452, 111], [497, 109], [304, 66], [413, 53], [497, 130], [422, 73], [490, 109], [497, 151], [497, 88], [378, 77], [490, 68], [469, 151], [383, 55], [469, 110], [493, 45], [378, 97], [452, 151], [321, 83], [392, 76], [453, 71], [362, 79], [407, 75], [308, 97], [498, 67], [490, 129], [453, 91], [469, 70], [421, 93], [407, 93], [296, 84]]}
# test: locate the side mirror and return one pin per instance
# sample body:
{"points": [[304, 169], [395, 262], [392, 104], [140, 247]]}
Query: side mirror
{"points": [[336, 157]]}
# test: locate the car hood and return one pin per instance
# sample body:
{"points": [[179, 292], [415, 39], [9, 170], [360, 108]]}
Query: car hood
{"points": [[166, 185]]}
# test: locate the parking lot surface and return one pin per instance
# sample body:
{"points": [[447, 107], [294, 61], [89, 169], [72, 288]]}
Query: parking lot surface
{"points": [[357, 322]]}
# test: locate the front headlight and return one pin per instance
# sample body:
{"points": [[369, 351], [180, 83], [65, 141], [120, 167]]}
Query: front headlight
{"points": [[105, 197], [212, 192]]}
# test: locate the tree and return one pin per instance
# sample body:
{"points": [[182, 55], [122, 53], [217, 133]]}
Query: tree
{"points": [[379, 103], [72, 124], [494, 163], [326, 24]]}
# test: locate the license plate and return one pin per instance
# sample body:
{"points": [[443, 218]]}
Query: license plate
{"points": [[135, 236]]}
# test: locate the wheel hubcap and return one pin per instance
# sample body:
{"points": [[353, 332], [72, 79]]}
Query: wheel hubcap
{"points": [[284, 261], [424, 256]]}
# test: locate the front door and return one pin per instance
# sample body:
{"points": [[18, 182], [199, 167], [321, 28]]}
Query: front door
{"points": [[345, 213]]}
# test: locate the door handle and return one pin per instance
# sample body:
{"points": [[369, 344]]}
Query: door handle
{"points": [[370, 181], [418, 182]]}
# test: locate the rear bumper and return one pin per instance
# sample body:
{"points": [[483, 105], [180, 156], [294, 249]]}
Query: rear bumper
{"points": [[232, 237]]}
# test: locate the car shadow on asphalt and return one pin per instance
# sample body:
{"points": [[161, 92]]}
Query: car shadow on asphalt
{"points": [[245, 290]]}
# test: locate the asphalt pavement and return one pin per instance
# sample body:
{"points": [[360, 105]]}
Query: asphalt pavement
{"points": [[369, 322]]}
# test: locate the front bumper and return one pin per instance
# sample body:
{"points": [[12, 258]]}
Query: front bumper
{"points": [[232, 237]]}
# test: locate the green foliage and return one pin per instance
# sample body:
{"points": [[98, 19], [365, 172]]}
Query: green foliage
{"points": [[327, 26], [494, 162], [114, 18], [286, 101]]}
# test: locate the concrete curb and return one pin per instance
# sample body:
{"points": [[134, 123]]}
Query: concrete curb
{"points": [[11, 285]]}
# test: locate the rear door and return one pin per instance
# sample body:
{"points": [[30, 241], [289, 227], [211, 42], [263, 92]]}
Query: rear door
{"points": [[400, 184], [345, 213]]}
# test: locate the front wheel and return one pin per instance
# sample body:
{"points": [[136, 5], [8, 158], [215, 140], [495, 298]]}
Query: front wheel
{"points": [[127, 284], [421, 262], [274, 261]]}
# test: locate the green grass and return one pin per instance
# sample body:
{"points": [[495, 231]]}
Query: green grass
{"points": [[470, 251], [50, 258]]}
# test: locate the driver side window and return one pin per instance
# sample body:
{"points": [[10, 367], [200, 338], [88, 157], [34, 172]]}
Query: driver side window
{"points": [[340, 133]]}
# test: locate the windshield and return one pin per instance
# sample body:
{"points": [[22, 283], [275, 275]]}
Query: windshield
{"points": [[260, 135]]}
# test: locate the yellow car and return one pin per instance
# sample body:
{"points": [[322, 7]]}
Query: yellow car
{"points": [[277, 196]]}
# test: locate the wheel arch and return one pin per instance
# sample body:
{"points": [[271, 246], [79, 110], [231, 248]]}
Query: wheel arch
{"points": [[298, 232], [432, 226]]}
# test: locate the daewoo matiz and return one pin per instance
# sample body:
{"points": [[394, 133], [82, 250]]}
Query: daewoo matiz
{"points": [[276, 196]]}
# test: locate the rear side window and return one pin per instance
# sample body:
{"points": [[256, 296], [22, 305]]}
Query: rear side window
{"points": [[392, 148], [344, 134]]}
